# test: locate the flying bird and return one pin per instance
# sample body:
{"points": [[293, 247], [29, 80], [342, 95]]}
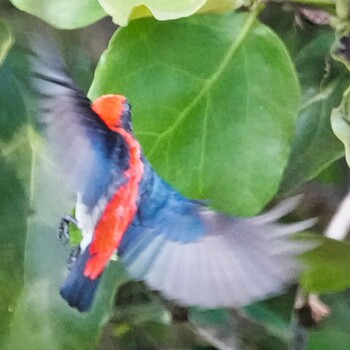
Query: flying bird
{"points": [[190, 253]]}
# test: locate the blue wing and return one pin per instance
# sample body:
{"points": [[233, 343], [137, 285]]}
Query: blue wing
{"points": [[90, 156], [196, 256]]}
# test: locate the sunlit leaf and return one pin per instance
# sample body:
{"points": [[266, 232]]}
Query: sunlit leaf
{"points": [[64, 14], [216, 118], [121, 11]]}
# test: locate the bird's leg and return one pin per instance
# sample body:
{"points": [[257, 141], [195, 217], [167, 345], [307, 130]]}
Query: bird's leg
{"points": [[311, 311], [73, 256], [63, 228]]}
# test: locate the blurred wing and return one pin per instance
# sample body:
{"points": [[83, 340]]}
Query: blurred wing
{"points": [[89, 155], [229, 262]]}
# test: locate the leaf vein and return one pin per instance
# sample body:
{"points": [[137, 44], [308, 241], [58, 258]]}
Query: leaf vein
{"points": [[232, 49], [204, 146]]}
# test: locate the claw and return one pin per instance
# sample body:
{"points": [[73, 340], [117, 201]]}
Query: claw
{"points": [[63, 228], [63, 236]]}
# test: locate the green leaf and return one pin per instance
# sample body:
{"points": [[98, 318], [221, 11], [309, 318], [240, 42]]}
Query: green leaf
{"points": [[328, 267], [14, 202], [63, 14], [6, 41], [270, 320], [122, 11], [212, 110], [13, 207], [314, 144]]}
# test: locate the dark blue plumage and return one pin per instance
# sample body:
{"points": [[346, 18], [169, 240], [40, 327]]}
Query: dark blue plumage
{"points": [[77, 289]]}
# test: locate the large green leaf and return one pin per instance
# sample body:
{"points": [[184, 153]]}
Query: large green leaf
{"points": [[64, 14], [5, 41], [121, 10], [12, 238], [211, 105], [314, 145]]}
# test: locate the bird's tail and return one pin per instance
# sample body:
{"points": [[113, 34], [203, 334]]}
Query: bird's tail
{"points": [[79, 290]]}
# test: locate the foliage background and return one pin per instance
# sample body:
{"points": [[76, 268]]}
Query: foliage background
{"points": [[240, 99]]}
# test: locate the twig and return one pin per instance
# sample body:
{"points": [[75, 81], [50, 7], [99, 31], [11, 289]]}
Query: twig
{"points": [[339, 226]]}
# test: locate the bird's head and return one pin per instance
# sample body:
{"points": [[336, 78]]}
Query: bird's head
{"points": [[114, 110]]}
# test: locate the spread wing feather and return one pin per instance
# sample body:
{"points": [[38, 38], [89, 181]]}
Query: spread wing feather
{"points": [[89, 155], [213, 260]]}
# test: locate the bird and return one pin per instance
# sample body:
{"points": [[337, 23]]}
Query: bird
{"points": [[190, 253]]}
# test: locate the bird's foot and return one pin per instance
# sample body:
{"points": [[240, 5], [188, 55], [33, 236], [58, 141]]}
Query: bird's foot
{"points": [[319, 310], [63, 229], [310, 310], [63, 236]]}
